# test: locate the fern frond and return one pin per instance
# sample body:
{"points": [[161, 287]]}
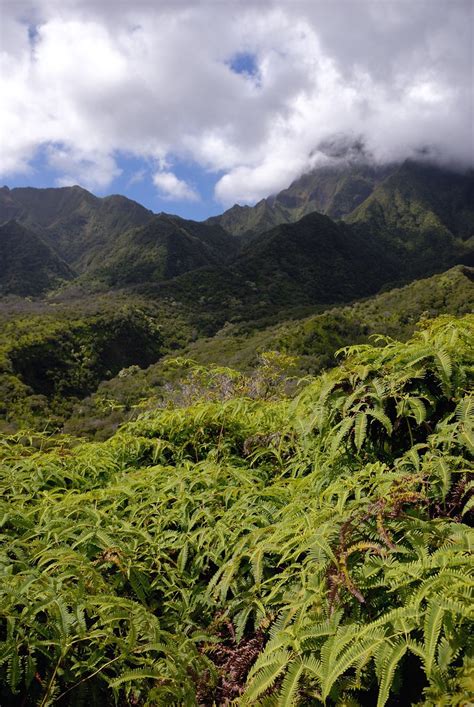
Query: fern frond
{"points": [[431, 631], [391, 660], [289, 689]]}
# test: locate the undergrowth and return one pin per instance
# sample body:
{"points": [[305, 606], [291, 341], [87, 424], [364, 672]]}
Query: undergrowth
{"points": [[238, 550]]}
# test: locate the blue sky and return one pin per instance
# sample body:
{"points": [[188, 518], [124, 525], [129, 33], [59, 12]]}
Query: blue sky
{"points": [[190, 107], [135, 182]]}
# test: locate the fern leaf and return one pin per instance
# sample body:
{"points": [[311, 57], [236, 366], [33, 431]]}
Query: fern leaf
{"points": [[468, 506], [418, 409], [257, 565], [265, 678], [289, 688], [360, 429], [389, 665], [431, 630], [136, 675], [382, 418], [351, 656], [343, 430], [444, 364]]}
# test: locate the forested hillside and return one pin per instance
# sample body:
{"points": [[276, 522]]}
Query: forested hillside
{"points": [[52, 355], [311, 342], [74, 222], [166, 247], [261, 550], [28, 266]]}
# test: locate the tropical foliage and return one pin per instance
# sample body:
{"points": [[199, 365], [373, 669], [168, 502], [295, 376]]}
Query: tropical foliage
{"points": [[312, 340], [52, 355], [253, 549]]}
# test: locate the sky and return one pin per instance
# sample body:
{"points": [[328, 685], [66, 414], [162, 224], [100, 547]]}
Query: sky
{"points": [[192, 106]]}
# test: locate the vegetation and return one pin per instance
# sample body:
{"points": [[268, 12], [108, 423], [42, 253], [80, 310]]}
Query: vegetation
{"points": [[165, 248], [75, 223], [255, 548], [316, 338], [334, 191], [52, 355], [28, 266], [291, 530], [313, 340], [312, 262], [401, 222]]}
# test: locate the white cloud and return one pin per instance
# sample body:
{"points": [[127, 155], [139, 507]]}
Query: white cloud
{"points": [[94, 172], [174, 189], [154, 80]]}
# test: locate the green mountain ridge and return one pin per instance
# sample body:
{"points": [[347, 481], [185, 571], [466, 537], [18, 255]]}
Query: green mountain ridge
{"points": [[334, 190], [164, 248], [74, 222], [400, 222], [425, 212], [296, 530], [319, 262], [200, 280]]}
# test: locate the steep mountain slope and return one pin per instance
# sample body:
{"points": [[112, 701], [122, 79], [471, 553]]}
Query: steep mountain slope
{"points": [[74, 222], [417, 221], [165, 248], [28, 266], [314, 261], [417, 196], [426, 211], [409, 200], [409, 221], [332, 190]]}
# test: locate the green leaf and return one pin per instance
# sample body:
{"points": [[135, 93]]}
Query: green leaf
{"points": [[288, 693], [360, 429], [389, 665], [431, 630]]}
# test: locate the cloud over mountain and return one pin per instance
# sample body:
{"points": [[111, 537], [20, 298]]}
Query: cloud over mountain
{"points": [[254, 92]]}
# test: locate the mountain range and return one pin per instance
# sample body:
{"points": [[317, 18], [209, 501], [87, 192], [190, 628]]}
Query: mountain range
{"points": [[336, 234], [334, 190]]}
